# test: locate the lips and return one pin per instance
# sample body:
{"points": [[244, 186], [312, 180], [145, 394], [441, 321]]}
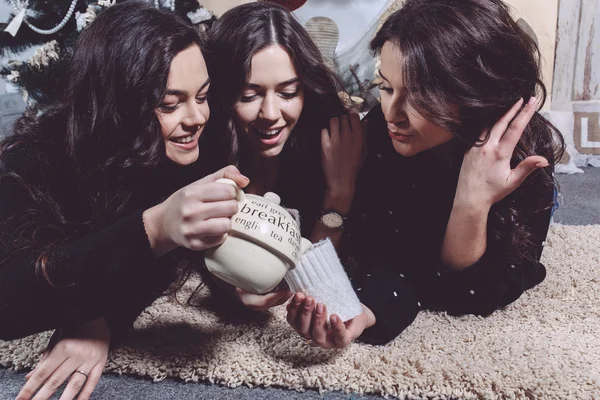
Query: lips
{"points": [[269, 136], [187, 142], [395, 135]]}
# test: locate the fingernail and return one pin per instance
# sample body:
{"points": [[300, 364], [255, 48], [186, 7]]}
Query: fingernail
{"points": [[532, 100], [308, 303], [542, 164], [319, 309], [334, 319], [297, 299]]}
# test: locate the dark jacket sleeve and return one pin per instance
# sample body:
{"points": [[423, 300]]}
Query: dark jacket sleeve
{"points": [[390, 297], [494, 281], [87, 274]]}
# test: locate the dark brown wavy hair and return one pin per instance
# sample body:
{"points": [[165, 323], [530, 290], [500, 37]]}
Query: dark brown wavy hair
{"points": [[104, 136], [471, 53], [245, 30]]}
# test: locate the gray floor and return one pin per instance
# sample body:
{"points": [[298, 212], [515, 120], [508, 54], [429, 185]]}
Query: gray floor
{"points": [[579, 205]]}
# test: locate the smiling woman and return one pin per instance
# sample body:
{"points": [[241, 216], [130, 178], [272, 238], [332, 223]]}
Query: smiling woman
{"points": [[277, 106], [184, 110], [98, 190]]}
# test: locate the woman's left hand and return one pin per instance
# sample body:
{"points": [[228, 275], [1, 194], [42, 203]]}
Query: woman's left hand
{"points": [[342, 154], [310, 321], [76, 355], [486, 176]]}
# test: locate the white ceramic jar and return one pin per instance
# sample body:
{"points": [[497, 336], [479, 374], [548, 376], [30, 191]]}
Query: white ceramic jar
{"points": [[264, 242]]}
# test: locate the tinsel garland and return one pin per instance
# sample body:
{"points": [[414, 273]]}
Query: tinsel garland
{"points": [[40, 79]]}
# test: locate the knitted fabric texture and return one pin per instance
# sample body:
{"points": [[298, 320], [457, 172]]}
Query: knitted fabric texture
{"points": [[320, 274]]}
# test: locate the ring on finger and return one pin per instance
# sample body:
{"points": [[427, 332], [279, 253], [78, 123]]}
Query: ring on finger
{"points": [[82, 373]]}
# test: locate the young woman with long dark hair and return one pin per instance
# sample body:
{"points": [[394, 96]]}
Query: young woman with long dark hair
{"points": [[455, 197], [278, 106], [98, 192]]}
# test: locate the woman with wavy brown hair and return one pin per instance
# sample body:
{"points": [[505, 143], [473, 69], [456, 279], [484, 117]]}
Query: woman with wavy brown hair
{"points": [[454, 200], [101, 196], [276, 105]]}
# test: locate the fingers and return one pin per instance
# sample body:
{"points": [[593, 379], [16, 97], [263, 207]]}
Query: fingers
{"points": [[220, 209], [339, 332], [334, 129], [210, 192], [354, 118], [56, 379], [42, 358], [319, 328], [230, 172], [76, 382], [262, 302], [325, 141], [92, 381], [305, 317], [500, 127], [524, 169], [39, 375], [344, 126], [293, 309], [209, 242], [517, 126]]}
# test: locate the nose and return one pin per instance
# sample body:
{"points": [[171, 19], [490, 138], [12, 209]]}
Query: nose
{"points": [[197, 115], [395, 110], [269, 109]]}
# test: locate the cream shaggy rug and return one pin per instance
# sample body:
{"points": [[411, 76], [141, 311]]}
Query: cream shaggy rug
{"points": [[544, 346]]}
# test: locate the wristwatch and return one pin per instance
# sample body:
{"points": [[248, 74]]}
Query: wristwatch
{"points": [[332, 219]]}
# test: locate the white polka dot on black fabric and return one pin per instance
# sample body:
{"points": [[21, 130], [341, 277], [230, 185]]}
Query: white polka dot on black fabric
{"points": [[472, 291], [368, 274], [512, 266], [395, 294], [438, 274], [358, 289], [419, 303], [379, 155], [397, 230], [390, 212], [544, 243], [401, 275]]}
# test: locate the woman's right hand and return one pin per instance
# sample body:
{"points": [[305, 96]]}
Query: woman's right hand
{"points": [[76, 355], [197, 216]]}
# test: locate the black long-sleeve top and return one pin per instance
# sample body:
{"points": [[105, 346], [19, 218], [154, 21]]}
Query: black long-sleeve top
{"points": [[395, 234], [103, 270]]}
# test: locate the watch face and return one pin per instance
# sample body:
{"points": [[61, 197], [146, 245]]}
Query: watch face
{"points": [[332, 220]]}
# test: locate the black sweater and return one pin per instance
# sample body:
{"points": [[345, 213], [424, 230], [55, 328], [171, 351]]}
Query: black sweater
{"points": [[396, 230], [106, 269]]}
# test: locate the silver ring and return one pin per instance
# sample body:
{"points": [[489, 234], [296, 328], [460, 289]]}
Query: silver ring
{"points": [[82, 373]]}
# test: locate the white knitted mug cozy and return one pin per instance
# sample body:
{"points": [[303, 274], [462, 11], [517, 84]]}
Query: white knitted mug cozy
{"points": [[320, 274]]}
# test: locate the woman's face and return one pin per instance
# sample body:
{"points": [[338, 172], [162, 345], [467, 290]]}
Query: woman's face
{"points": [[271, 102], [409, 131], [184, 110]]}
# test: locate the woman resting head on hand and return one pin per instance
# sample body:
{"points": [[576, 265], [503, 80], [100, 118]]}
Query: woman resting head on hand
{"points": [[454, 200]]}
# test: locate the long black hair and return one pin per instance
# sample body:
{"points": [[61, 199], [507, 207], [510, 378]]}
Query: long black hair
{"points": [[245, 30], [103, 140], [471, 53]]}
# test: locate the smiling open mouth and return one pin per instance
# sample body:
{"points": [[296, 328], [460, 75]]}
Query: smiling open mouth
{"points": [[188, 142], [267, 134], [184, 139]]}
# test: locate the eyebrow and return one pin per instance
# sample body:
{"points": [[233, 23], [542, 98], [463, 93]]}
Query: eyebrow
{"points": [[177, 92], [284, 83], [380, 74]]}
